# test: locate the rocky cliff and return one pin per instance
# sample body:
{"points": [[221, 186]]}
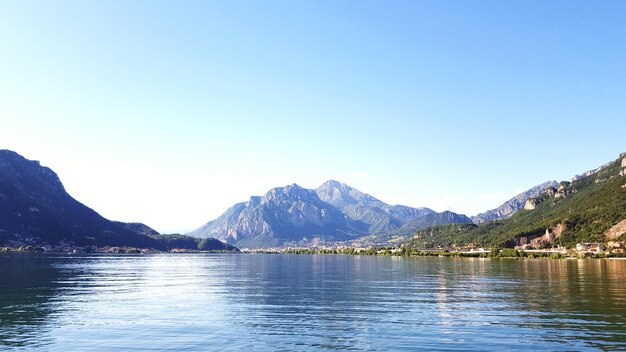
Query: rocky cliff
{"points": [[283, 214], [378, 215], [293, 215]]}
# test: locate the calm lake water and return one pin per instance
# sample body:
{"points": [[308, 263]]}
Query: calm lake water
{"points": [[310, 302]]}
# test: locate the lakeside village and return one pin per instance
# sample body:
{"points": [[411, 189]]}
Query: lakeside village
{"points": [[611, 249]]}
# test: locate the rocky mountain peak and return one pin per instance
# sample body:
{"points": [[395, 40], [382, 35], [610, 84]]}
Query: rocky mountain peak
{"points": [[292, 192], [18, 170], [334, 188], [334, 184], [36, 209], [292, 214], [254, 201], [339, 194]]}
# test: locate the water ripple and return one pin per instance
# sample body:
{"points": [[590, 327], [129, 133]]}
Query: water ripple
{"points": [[289, 303]]}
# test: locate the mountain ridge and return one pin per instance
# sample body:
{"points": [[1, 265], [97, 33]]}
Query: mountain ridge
{"points": [[360, 206], [590, 208], [292, 215], [285, 212], [513, 205], [35, 209]]}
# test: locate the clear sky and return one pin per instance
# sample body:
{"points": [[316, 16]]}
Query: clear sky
{"points": [[169, 112]]}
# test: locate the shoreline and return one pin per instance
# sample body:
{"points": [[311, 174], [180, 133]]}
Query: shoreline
{"points": [[412, 254], [106, 250], [409, 252]]}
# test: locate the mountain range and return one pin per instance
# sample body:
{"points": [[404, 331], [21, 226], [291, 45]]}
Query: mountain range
{"points": [[36, 209], [334, 211], [513, 205], [293, 215], [589, 208]]}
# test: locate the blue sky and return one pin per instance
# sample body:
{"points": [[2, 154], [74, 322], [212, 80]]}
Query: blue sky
{"points": [[169, 112]]}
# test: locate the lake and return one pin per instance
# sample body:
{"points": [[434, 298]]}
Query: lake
{"points": [[200, 302]]}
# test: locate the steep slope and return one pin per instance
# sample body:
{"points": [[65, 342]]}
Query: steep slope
{"points": [[588, 209], [333, 212], [513, 205], [378, 215], [443, 218], [138, 228], [35, 208], [341, 195], [288, 214], [402, 234]]}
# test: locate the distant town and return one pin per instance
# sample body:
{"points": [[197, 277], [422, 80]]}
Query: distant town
{"points": [[582, 250], [611, 249]]}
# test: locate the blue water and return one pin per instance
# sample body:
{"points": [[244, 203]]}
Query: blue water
{"points": [[200, 302]]}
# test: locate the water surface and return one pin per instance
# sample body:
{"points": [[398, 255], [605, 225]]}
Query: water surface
{"points": [[200, 302]]}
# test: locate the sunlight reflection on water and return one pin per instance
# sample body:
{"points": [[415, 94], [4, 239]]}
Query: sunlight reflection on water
{"points": [[202, 302]]}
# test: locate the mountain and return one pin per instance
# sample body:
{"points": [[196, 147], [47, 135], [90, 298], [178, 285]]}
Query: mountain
{"points": [[35, 209], [443, 218], [379, 216], [139, 228], [178, 241], [282, 215], [293, 215], [590, 208], [34, 206], [513, 205], [402, 234]]}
